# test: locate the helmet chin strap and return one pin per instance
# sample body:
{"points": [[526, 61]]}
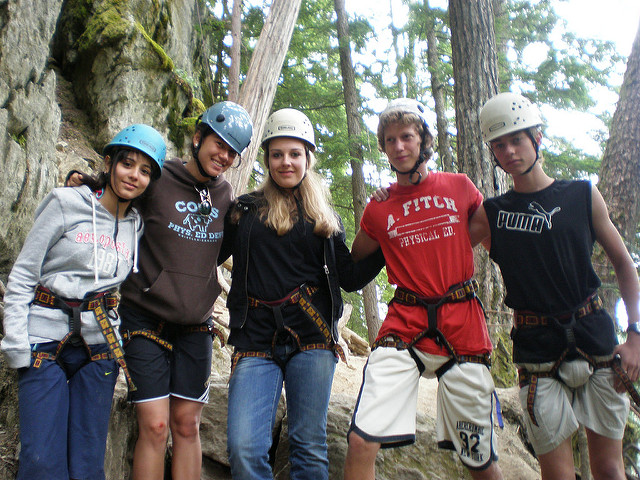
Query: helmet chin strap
{"points": [[537, 148], [412, 171], [199, 165]]}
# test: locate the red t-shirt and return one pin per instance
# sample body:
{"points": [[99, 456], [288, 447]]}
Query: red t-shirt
{"points": [[424, 234]]}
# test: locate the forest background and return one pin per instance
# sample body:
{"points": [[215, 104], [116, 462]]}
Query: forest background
{"points": [[405, 49]]}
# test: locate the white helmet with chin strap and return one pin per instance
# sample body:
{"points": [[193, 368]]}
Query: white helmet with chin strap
{"points": [[289, 122], [406, 105], [508, 113]]}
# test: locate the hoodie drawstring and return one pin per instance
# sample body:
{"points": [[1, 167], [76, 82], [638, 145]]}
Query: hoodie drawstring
{"points": [[136, 225], [95, 241]]}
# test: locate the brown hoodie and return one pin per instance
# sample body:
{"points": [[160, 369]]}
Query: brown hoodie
{"points": [[177, 279]]}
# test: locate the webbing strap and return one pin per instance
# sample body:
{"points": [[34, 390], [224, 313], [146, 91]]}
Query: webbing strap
{"points": [[394, 341], [205, 328], [99, 303], [616, 364], [524, 318], [527, 319], [112, 340], [457, 293], [155, 335], [530, 379], [235, 358], [301, 296], [150, 334], [39, 356]]}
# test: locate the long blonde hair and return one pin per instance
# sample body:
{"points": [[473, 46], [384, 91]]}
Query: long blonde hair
{"points": [[280, 211]]}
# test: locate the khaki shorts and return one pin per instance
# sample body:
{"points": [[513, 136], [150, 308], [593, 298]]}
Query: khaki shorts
{"points": [[584, 397], [386, 408]]}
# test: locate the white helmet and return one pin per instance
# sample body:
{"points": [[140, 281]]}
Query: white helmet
{"points": [[507, 113], [407, 105], [289, 122]]}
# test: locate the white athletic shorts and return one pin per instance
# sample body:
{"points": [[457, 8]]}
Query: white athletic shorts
{"points": [[584, 397], [386, 408]]}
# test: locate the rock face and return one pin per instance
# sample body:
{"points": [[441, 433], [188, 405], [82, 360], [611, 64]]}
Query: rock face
{"points": [[119, 63]]}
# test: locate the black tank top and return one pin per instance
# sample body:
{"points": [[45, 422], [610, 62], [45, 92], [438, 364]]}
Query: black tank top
{"points": [[543, 243]]}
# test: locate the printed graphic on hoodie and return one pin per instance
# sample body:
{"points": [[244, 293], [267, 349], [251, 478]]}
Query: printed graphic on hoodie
{"points": [[412, 229], [107, 253], [527, 222], [195, 226]]}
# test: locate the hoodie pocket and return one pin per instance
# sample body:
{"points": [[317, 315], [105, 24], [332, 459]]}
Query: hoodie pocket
{"points": [[181, 297]]}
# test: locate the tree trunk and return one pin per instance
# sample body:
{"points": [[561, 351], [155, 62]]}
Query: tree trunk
{"points": [[620, 170], [236, 35], [399, 55], [438, 91], [475, 70], [259, 88], [354, 122]]}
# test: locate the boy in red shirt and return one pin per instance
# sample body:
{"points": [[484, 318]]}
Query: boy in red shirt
{"points": [[435, 325]]}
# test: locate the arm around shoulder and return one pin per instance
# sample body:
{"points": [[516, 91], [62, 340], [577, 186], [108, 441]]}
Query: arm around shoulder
{"points": [[363, 246], [479, 231]]}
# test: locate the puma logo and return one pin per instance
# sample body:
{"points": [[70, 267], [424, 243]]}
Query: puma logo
{"points": [[536, 207]]}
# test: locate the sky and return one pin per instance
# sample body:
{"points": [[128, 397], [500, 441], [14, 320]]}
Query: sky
{"points": [[614, 20]]}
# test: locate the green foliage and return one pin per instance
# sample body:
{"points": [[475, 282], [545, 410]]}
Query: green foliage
{"points": [[569, 162], [571, 68], [20, 139]]}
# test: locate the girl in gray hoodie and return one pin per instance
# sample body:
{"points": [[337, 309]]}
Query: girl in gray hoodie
{"points": [[59, 310]]}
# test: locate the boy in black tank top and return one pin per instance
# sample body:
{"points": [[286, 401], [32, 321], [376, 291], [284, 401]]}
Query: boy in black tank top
{"points": [[541, 234]]}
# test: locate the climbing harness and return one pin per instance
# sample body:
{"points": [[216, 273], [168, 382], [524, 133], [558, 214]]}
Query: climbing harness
{"points": [[460, 292], [100, 303], [156, 334], [300, 296], [565, 322]]}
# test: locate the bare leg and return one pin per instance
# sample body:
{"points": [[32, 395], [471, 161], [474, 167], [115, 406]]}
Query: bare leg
{"points": [[153, 426], [558, 463], [491, 473], [605, 456], [186, 463], [361, 458]]}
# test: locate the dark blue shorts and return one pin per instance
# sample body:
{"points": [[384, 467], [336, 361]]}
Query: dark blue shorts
{"points": [[158, 372], [64, 414]]}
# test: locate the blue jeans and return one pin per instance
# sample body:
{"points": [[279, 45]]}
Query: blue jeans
{"points": [[254, 392], [64, 415]]}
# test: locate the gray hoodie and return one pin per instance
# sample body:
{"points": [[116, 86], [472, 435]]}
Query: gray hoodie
{"points": [[70, 250]]}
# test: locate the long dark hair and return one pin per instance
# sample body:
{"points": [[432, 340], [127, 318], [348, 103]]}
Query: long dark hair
{"points": [[102, 179]]}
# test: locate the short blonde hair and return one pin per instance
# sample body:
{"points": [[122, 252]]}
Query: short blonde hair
{"points": [[406, 118]]}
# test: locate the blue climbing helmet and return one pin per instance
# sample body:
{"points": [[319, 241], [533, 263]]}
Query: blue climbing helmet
{"points": [[143, 138], [231, 123]]}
